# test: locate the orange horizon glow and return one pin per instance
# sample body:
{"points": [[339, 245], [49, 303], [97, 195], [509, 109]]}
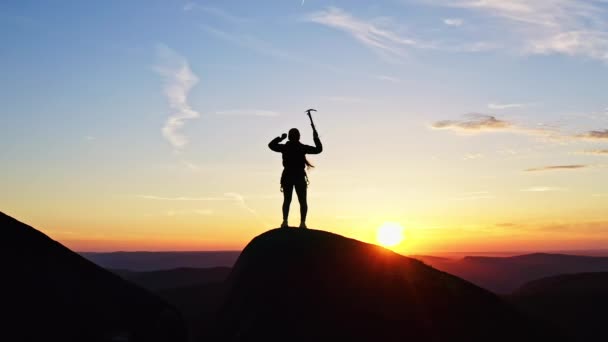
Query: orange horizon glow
{"points": [[417, 241]]}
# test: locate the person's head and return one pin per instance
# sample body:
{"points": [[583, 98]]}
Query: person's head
{"points": [[293, 135]]}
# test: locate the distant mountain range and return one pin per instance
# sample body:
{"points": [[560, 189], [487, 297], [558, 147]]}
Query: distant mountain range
{"points": [[501, 275], [295, 285], [506, 274], [154, 261]]}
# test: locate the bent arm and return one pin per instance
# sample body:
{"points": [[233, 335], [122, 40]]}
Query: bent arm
{"points": [[318, 148], [275, 144]]}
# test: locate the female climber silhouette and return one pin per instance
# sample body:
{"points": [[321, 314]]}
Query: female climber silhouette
{"points": [[294, 173]]}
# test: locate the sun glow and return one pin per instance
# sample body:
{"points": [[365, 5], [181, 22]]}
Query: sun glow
{"points": [[390, 234]]}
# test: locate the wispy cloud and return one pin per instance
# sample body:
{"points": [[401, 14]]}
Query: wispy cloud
{"points": [[179, 80], [372, 33], [557, 167], [453, 21], [474, 122], [263, 47], [253, 43], [569, 27], [597, 152], [472, 156], [542, 189], [595, 135], [240, 199], [499, 106], [248, 112]]}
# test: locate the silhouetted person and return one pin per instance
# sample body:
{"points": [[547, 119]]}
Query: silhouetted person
{"points": [[294, 173]]}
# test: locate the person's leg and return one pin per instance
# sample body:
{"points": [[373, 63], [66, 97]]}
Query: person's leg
{"points": [[301, 189], [287, 194]]}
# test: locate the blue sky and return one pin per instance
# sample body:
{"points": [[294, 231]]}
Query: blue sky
{"points": [[150, 105]]}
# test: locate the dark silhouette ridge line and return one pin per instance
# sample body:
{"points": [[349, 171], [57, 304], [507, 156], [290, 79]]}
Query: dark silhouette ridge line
{"points": [[55, 294]]}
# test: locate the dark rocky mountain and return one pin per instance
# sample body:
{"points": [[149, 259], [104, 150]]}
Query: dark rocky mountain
{"points": [[309, 285], [53, 294], [505, 274], [573, 303]]}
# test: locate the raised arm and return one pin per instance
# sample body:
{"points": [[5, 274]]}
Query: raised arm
{"points": [[275, 143], [318, 148]]}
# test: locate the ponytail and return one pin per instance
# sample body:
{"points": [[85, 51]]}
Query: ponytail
{"points": [[308, 164]]}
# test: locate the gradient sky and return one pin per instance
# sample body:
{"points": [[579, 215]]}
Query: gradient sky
{"points": [[478, 125]]}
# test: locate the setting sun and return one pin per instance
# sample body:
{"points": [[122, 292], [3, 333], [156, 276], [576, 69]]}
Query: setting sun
{"points": [[390, 234]]}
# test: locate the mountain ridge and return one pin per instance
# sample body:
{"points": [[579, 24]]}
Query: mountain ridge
{"points": [[55, 294]]}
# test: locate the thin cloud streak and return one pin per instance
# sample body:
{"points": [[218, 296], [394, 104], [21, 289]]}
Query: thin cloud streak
{"points": [[595, 135], [474, 122], [542, 189], [557, 167], [240, 199], [179, 80], [596, 152], [386, 39], [369, 33], [453, 21], [567, 27]]}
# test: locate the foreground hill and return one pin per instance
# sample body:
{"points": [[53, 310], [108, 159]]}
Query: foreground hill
{"points": [[307, 285], [574, 303], [506, 274], [53, 294]]}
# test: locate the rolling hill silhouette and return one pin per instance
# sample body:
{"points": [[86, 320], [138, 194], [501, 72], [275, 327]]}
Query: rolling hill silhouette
{"points": [[307, 285], [506, 274], [53, 294], [573, 303], [580, 284]]}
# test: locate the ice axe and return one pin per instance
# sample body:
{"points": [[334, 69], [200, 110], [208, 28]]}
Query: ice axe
{"points": [[310, 117]]}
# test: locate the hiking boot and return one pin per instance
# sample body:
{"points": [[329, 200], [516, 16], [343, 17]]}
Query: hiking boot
{"points": [[303, 225], [284, 224]]}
